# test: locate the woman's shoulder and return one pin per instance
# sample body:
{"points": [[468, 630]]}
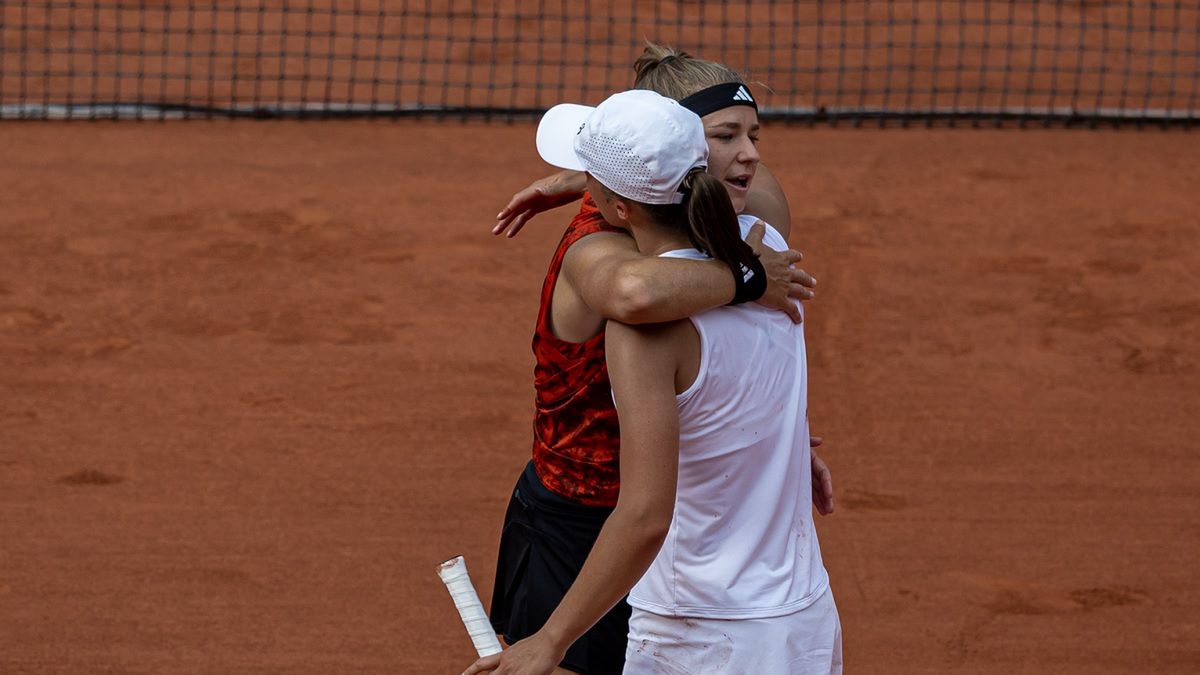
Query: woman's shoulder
{"points": [[771, 238]]}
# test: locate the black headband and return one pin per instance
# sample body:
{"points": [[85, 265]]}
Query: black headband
{"points": [[718, 97]]}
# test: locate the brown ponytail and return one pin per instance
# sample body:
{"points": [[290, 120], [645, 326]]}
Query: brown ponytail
{"points": [[712, 221]]}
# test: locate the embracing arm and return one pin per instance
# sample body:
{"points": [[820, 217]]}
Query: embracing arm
{"points": [[768, 202], [542, 194], [641, 365], [619, 283]]}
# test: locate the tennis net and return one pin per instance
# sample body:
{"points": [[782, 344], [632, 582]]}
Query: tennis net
{"points": [[1061, 61]]}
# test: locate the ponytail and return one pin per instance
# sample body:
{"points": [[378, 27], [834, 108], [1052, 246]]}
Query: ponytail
{"points": [[707, 217], [712, 223]]}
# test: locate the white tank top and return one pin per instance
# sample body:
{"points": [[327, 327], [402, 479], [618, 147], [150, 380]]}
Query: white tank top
{"points": [[741, 543]]}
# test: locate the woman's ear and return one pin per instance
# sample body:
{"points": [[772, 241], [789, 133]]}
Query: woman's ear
{"points": [[622, 209]]}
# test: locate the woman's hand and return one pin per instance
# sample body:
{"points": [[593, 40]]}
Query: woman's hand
{"points": [[785, 281], [822, 480], [543, 194], [535, 655]]}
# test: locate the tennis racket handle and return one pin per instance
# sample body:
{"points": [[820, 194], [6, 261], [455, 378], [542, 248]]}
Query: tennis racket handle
{"points": [[454, 574]]}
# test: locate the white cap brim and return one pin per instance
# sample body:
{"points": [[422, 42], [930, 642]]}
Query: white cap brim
{"points": [[556, 135]]}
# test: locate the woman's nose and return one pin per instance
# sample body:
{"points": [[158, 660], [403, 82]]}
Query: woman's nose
{"points": [[749, 152]]}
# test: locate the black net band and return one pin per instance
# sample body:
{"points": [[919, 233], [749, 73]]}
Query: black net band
{"points": [[820, 60]]}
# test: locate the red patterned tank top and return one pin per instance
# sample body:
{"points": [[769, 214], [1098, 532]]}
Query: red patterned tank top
{"points": [[575, 433]]}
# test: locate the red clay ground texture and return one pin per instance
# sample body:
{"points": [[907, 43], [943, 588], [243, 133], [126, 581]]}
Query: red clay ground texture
{"points": [[257, 379]]}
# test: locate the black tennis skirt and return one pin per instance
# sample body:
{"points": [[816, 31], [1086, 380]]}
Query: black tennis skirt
{"points": [[545, 541]]}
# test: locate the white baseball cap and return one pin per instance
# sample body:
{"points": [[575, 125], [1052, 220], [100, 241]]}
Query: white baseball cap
{"points": [[639, 144]]}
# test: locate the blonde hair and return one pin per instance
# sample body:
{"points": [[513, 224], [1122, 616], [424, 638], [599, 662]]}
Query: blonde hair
{"points": [[677, 74]]}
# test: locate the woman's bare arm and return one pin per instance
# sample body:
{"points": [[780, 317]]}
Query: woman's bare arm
{"points": [[768, 202], [542, 194], [642, 362], [619, 283]]}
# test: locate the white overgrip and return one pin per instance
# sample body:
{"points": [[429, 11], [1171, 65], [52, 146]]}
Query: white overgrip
{"points": [[453, 573]]}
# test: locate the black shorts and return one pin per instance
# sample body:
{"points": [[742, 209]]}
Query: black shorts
{"points": [[545, 540]]}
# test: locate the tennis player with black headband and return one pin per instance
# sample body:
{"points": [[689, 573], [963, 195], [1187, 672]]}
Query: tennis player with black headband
{"points": [[709, 462]]}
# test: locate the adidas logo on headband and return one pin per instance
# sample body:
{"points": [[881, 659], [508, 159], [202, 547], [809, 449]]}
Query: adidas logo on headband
{"points": [[718, 97]]}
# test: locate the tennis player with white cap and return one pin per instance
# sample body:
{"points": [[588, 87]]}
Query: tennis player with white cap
{"points": [[713, 528]]}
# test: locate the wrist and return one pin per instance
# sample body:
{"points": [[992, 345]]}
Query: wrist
{"points": [[556, 639], [576, 181], [750, 282]]}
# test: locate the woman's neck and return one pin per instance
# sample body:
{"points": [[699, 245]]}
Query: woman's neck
{"points": [[654, 239]]}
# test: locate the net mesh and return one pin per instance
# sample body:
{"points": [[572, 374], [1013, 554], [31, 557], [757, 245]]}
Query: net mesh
{"points": [[982, 60]]}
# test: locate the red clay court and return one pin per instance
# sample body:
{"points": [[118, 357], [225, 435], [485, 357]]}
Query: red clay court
{"points": [[257, 378]]}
